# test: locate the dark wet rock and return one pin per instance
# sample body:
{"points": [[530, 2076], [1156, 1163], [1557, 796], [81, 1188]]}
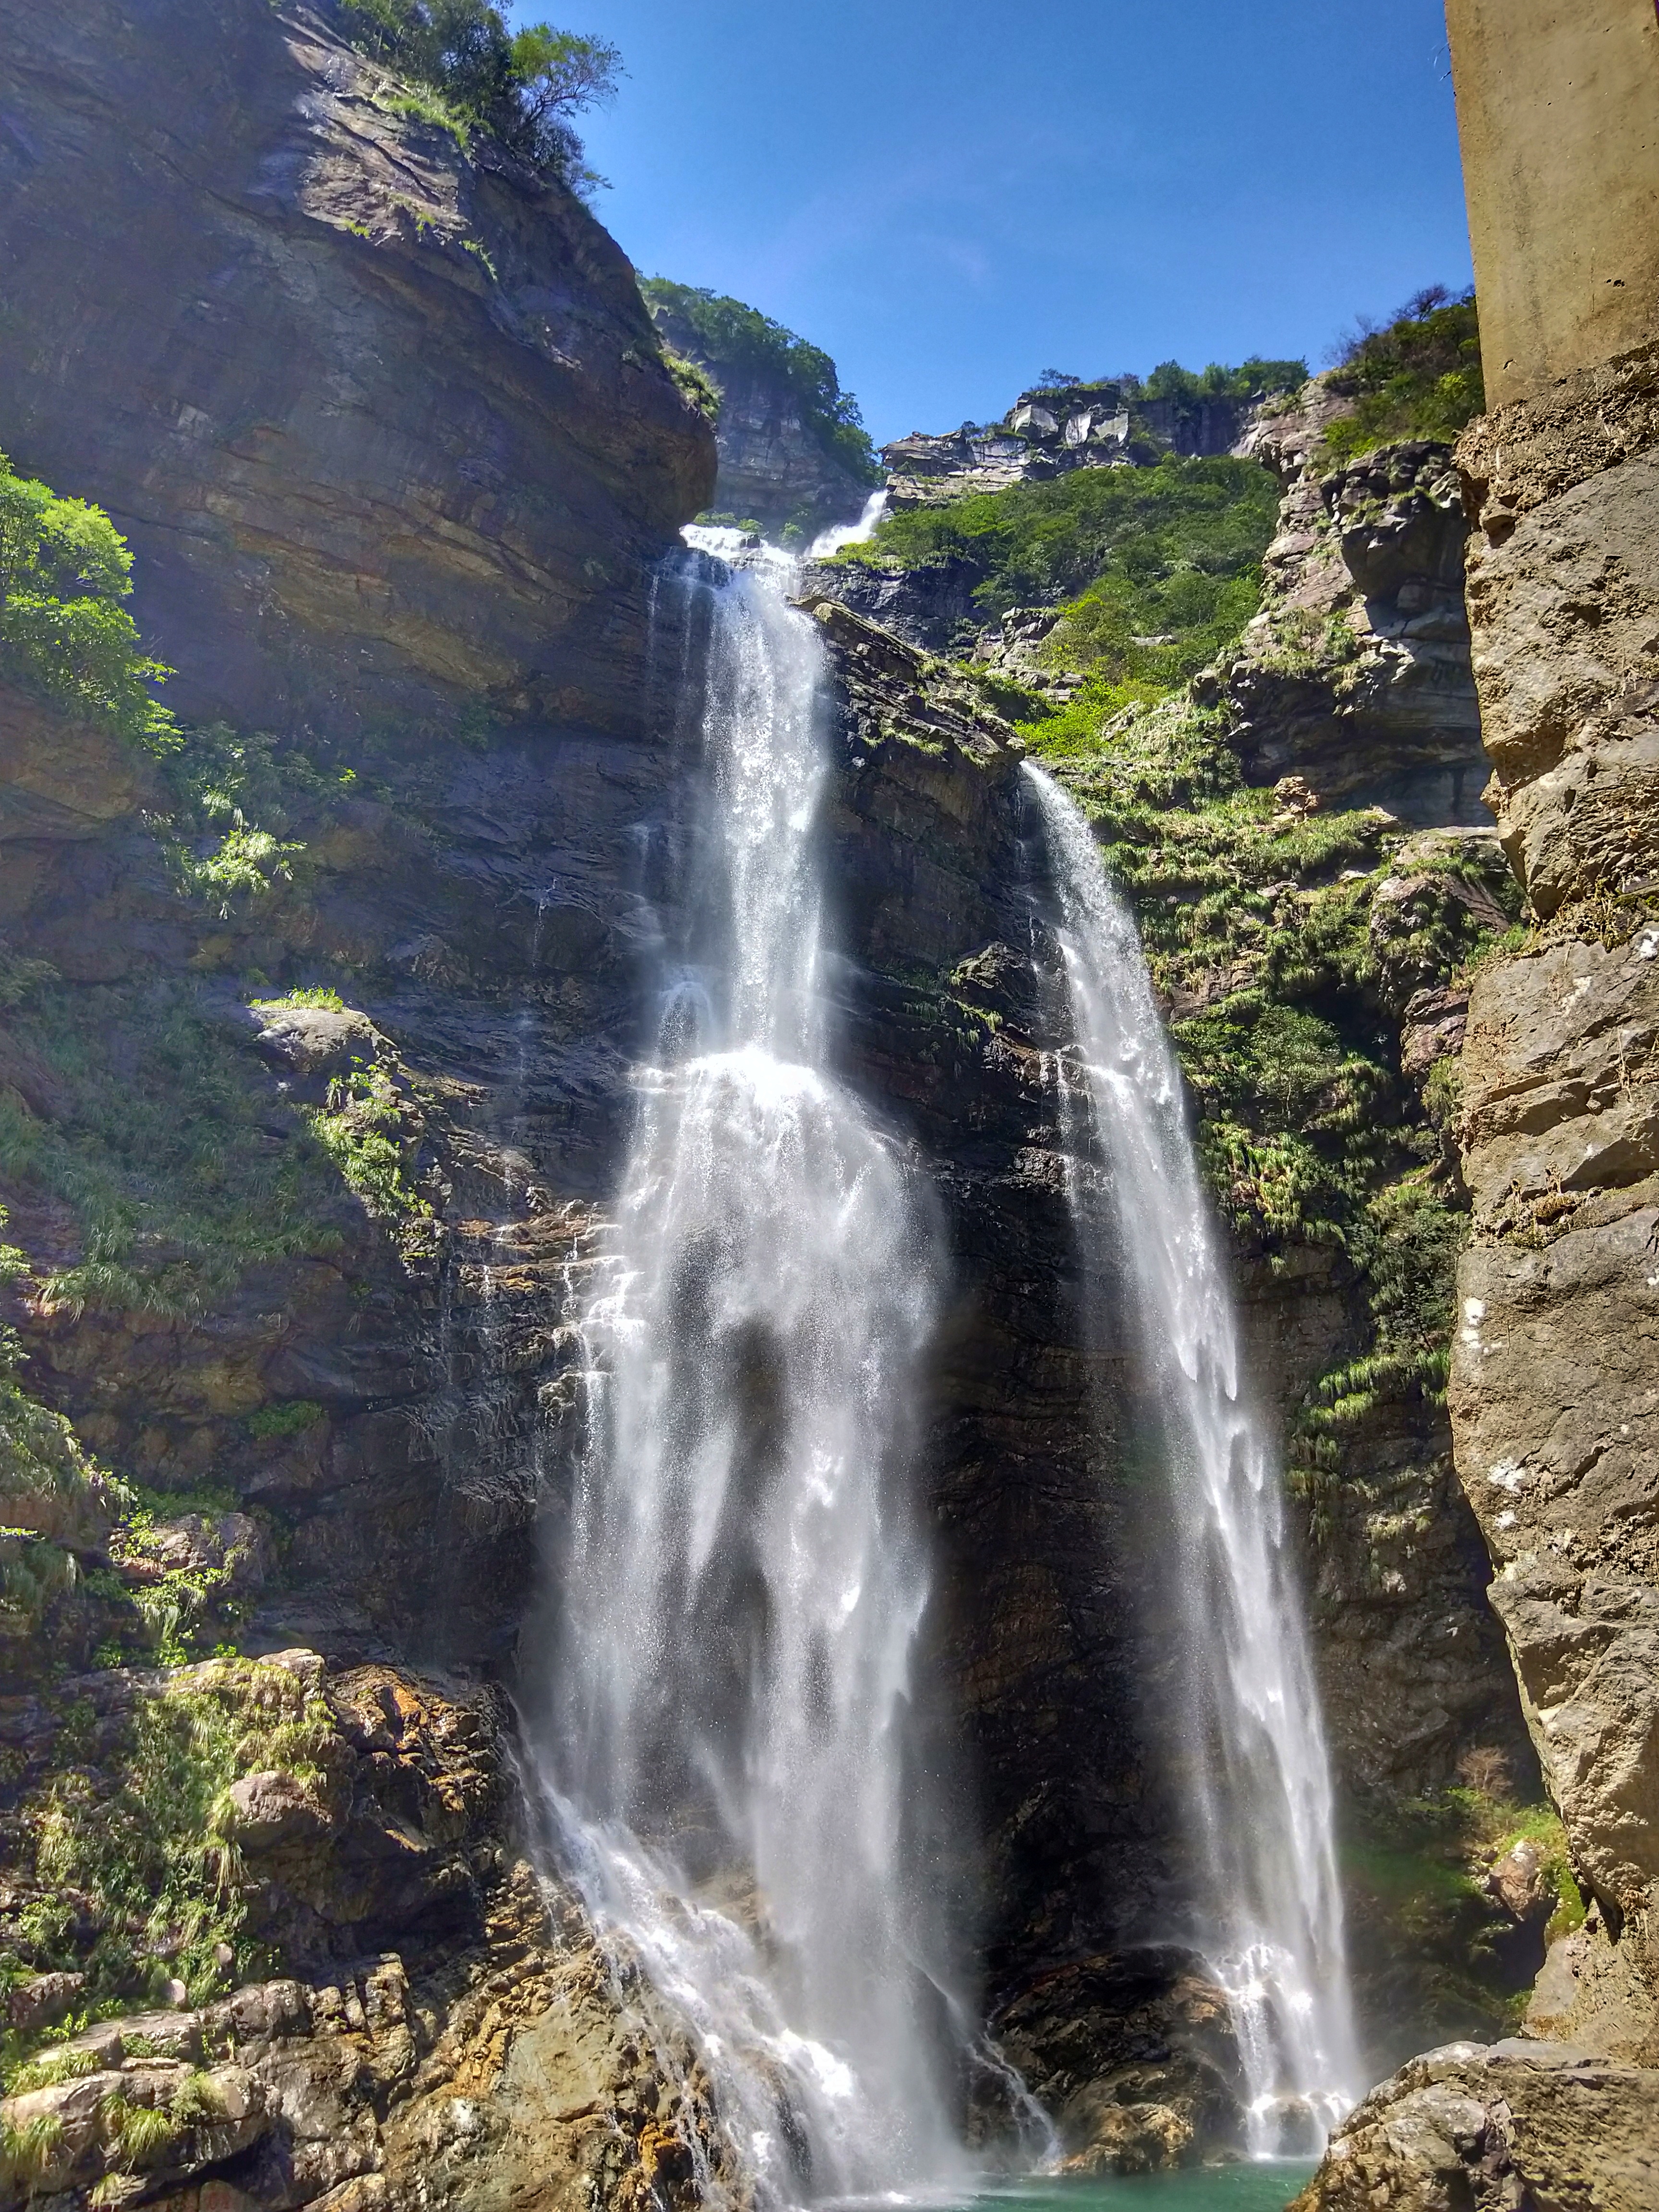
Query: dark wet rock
{"points": [[1134, 2057]]}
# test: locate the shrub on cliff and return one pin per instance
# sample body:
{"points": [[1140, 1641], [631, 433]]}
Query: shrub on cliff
{"points": [[728, 336], [1418, 377], [65, 570], [522, 85]]}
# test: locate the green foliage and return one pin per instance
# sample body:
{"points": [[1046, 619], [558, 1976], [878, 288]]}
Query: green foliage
{"points": [[49, 1486], [27, 2153], [694, 383], [65, 570], [137, 2134], [197, 2102], [138, 1850], [311, 994], [1418, 377], [1255, 379], [235, 795], [1416, 1871], [360, 1130], [48, 2069], [733, 337], [291, 1418], [1404, 1246], [177, 1175], [1163, 562], [171, 1614], [524, 86]]}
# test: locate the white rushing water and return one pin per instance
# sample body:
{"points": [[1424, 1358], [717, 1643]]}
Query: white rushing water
{"points": [[730, 1769], [850, 534], [1256, 1777]]}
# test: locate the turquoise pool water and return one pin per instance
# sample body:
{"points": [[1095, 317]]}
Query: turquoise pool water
{"points": [[1266, 2185]]}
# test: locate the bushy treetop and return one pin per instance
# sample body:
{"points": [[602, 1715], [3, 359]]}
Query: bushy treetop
{"points": [[522, 85], [1416, 376]]}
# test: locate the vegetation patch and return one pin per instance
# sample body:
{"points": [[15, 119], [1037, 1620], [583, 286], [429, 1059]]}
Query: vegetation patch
{"points": [[1417, 376], [1420, 1872], [1155, 570], [129, 1872], [471, 71], [65, 634], [362, 1130], [178, 1175]]}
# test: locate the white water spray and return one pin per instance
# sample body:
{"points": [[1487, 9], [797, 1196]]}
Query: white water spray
{"points": [[729, 1767], [850, 534], [1257, 1780]]}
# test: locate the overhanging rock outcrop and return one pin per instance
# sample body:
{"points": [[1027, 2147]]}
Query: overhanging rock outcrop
{"points": [[385, 421]]}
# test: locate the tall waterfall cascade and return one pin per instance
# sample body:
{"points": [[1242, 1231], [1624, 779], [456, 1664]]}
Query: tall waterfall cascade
{"points": [[729, 1765], [1255, 1777]]}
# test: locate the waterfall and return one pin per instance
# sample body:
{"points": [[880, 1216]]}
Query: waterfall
{"points": [[728, 1762], [1255, 1776], [850, 534]]}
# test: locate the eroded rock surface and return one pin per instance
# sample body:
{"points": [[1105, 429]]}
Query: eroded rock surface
{"points": [[1355, 674], [1475, 2128], [1554, 1402]]}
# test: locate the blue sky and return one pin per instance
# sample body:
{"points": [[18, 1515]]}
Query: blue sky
{"points": [[950, 199]]}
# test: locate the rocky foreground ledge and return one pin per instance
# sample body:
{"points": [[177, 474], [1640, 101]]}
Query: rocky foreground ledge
{"points": [[1525, 2126]]}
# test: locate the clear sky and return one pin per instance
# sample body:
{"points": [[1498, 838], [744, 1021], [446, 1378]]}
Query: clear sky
{"points": [[952, 199]]}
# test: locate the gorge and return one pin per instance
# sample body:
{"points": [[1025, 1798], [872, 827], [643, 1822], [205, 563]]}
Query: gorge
{"points": [[740, 1288]]}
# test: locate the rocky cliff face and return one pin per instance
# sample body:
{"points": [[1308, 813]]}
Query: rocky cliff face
{"points": [[1551, 1390], [1553, 1398], [385, 422], [1046, 434], [776, 468], [1355, 674]]}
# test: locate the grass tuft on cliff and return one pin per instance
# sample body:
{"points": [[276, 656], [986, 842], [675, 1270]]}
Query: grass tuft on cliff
{"points": [[64, 633]]}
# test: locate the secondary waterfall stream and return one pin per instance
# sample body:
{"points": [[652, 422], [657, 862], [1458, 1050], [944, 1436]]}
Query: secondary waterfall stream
{"points": [[1256, 1780], [731, 1772]]}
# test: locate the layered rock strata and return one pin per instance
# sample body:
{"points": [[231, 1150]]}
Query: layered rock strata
{"points": [[385, 422]]}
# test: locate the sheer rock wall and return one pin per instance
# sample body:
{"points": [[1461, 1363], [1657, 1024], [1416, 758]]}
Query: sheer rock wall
{"points": [[1554, 1403]]}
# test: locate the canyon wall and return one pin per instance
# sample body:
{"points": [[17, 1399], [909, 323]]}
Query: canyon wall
{"points": [[308, 1175], [777, 467], [1552, 1393]]}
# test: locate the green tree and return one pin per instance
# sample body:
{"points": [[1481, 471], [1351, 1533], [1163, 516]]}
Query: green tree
{"points": [[65, 570], [524, 86]]}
